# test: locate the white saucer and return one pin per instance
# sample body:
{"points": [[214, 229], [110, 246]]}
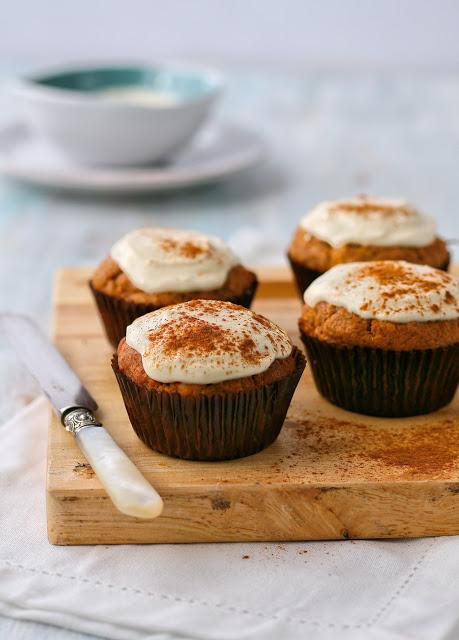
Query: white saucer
{"points": [[221, 150]]}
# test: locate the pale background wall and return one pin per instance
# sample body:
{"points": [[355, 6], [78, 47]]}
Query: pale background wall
{"points": [[394, 34]]}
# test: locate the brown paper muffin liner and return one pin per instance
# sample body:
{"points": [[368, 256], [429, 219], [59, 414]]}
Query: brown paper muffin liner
{"points": [[117, 314], [384, 383], [304, 276], [209, 427]]}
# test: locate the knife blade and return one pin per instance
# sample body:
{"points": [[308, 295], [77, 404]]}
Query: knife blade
{"points": [[129, 490], [60, 384]]}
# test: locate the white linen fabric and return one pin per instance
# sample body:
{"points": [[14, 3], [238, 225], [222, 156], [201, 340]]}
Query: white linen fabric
{"points": [[381, 590]]}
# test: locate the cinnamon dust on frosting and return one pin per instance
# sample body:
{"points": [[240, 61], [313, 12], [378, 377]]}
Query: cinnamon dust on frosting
{"points": [[185, 248], [206, 342], [397, 291], [369, 222], [157, 260], [366, 206]]}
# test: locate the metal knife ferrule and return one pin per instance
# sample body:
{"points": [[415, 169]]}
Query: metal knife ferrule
{"points": [[76, 418]]}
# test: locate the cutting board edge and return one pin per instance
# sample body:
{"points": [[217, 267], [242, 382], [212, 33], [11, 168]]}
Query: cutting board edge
{"points": [[310, 513]]}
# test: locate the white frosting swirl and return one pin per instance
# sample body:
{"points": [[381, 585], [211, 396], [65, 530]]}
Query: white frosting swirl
{"points": [[159, 260], [396, 290], [370, 221], [205, 342]]}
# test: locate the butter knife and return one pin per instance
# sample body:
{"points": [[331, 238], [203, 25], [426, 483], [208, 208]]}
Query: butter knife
{"points": [[129, 490]]}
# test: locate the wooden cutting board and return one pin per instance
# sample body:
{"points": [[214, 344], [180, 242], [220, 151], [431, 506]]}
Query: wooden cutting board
{"points": [[331, 474]]}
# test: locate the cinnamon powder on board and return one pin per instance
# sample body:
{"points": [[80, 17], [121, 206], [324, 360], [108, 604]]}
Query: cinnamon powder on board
{"points": [[414, 450]]}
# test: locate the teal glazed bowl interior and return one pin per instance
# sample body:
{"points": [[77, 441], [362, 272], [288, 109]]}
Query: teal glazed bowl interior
{"points": [[183, 85], [119, 115]]}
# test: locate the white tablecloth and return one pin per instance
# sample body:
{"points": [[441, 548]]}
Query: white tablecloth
{"points": [[349, 589]]}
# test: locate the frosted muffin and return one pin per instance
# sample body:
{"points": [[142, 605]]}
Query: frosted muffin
{"points": [[363, 229], [383, 337], [151, 268], [206, 379]]}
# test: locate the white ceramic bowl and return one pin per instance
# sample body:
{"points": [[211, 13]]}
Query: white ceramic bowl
{"points": [[118, 115]]}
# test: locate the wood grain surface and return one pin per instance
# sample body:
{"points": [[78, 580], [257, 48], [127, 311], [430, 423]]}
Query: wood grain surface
{"points": [[331, 474]]}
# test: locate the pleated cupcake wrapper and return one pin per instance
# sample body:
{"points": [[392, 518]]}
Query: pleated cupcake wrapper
{"points": [[384, 383], [304, 276], [209, 427], [117, 314]]}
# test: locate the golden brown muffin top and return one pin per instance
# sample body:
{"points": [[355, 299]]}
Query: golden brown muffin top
{"points": [[129, 361], [337, 326], [111, 280], [307, 250], [206, 342], [158, 259], [385, 304]]}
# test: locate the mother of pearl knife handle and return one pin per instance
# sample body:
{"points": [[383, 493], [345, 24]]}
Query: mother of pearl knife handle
{"points": [[130, 492]]}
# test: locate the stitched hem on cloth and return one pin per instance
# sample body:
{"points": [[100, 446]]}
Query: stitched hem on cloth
{"points": [[226, 607]]}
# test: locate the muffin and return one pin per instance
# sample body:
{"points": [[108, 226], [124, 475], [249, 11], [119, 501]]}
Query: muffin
{"points": [[207, 379], [360, 230], [383, 337], [151, 268]]}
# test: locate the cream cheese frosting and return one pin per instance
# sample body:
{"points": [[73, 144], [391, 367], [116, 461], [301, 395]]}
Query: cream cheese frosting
{"points": [[370, 221], [157, 260], [206, 342], [397, 291]]}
